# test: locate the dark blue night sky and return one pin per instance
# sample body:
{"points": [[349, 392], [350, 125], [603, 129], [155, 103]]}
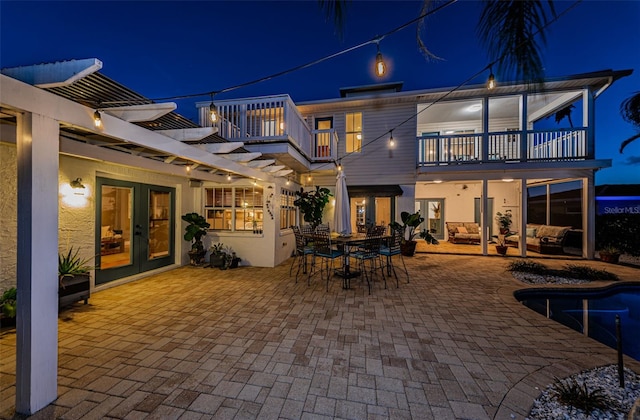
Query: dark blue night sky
{"points": [[162, 49]]}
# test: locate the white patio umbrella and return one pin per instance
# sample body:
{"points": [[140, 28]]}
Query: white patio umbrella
{"points": [[342, 211]]}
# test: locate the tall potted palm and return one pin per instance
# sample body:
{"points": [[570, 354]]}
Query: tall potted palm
{"points": [[194, 232]]}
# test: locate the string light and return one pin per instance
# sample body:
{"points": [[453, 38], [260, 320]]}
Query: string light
{"points": [[392, 142], [491, 82], [381, 67], [188, 168], [228, 177], [213, 113], [97, 119], [309, 177], [255, 182], [288, 182]]}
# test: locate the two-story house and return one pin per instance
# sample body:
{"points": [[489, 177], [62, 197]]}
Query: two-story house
{"points": [[89, 163], [457, 154]]}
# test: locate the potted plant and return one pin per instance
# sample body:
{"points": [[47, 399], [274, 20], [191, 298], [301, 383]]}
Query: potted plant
{"points": [[428, 237], [217, 257], [609, 254], [410, 221], [501, 246], [311, 204], [194, 231], [8, 307], [74, 280], [504, 221]]}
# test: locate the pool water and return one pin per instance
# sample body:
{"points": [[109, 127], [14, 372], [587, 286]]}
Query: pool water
{"points": [[593, 312]]}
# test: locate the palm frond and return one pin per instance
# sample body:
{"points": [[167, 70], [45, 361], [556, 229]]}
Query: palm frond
{"points": [[335, 10], [510, 29], [627, 141], [630, 109]]}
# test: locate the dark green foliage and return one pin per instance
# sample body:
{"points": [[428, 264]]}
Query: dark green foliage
{"points": [[428, 237], [574, 394], [588, 273], [621, 231], [569, 271], [524, 266], [71, 264], [410, 221], [311, 204], [8, 304], [195, 230]]}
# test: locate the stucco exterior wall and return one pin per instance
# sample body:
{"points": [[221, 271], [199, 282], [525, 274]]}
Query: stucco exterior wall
{"points": [[8, 216]]}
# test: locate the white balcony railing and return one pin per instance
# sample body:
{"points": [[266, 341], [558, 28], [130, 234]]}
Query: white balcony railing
{"points": [[325, 147], [264, 119], [502, 146]]}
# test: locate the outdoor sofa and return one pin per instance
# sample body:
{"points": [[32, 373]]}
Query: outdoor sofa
{"points": [[463, 232], [544, 239]]}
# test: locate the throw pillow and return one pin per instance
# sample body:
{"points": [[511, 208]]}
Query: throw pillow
{"points": [[462, 229], [531, 232]]}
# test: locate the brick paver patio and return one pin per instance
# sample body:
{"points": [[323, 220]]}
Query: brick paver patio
{"points": [[196, 343]]}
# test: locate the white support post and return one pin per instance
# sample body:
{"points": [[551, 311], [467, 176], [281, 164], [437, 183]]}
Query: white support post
{"points": [[37, 267], [523, 217], [588, 218], [484, 204]]}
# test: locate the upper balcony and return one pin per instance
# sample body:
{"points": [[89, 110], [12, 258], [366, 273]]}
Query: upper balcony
{"points": [[507, 146], [263, 123]]}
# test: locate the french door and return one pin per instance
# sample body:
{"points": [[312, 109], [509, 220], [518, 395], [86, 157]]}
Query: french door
{"points": [[433, 211], [134, 228]]}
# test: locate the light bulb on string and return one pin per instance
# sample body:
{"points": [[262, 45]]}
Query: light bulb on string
{"points": [[381, 67], [228, 177], [97, 119], [213, 112], [491, 82], [392, 142]]}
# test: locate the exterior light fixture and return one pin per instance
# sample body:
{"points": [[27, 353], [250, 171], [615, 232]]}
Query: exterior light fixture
{"points": [[507, 179], [213, 112], [491, 82], [381, 67], [77, 186], [437, 181], [392, 142], [97, 119]]}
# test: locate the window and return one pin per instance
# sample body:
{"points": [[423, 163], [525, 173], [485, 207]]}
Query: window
{"points": [[288, 212], [354, 132], [234, 208]]}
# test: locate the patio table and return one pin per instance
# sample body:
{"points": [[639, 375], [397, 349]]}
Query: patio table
{"points": [[347, 243]]}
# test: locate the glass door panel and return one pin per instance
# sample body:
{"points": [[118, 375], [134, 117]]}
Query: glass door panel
{"points": [[115, 226], [383, 211], [159, 227]]}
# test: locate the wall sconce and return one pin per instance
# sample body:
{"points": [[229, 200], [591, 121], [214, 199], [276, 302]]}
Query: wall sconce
{"points": [[77, 186]]}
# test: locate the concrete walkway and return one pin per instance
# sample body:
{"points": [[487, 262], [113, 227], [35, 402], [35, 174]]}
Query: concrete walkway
{"points": [[197, 343]]}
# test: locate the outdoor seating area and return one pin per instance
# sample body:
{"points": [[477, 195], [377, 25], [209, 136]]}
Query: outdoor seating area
{"points": [[328, 254], [463, 232], [251, 343], [543, 239]]}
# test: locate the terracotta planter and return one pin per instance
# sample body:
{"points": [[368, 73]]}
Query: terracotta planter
{"points": [[610, 258], [408, 249], [501, 249]]}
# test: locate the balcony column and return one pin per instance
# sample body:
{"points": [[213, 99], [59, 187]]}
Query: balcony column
{"points": [[524, 136], [484, 149], [589, 119], [37, 266]]}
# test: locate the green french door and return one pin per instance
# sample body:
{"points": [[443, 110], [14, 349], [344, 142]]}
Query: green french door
{"points": [[134, 228]]}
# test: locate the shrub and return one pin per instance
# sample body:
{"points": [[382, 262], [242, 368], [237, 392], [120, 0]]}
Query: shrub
{"points": [[8, 302], [577, 395], [588, 273], [619, 230], [524, 266]]}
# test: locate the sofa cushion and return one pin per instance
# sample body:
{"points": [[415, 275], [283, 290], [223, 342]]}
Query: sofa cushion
{"points": [[531, 232], [461, 229], [553, 233], [472, 227]]}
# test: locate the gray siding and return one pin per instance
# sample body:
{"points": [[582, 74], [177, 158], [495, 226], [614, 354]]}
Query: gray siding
{"points": [[377, 164]]}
